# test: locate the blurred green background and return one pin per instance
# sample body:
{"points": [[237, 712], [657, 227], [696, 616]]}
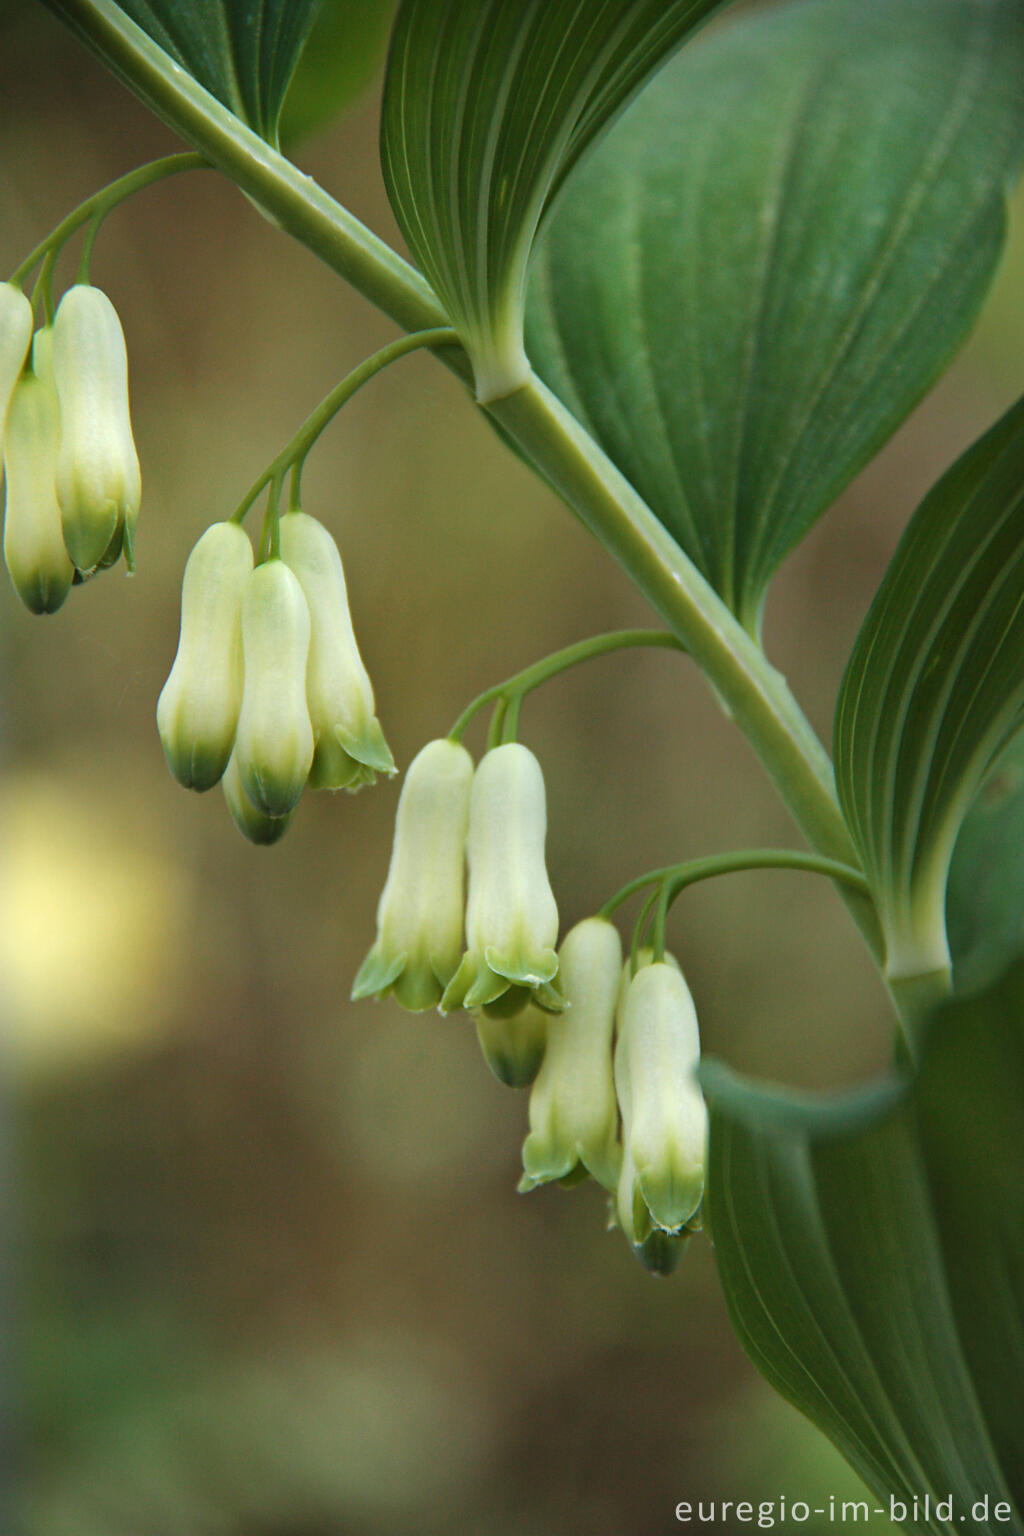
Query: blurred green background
{"points": [[271, 1274]]}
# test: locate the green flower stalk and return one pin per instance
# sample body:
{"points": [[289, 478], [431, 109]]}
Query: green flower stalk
{"points": [[664, 1120], [573, 1110], [98, 482], [350, 747], [513, 1044], [419, 916], [197, 712], [15, 338], [274, 740], [511, 915], [34, 548]]}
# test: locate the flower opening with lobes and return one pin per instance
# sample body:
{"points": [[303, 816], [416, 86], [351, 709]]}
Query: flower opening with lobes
{"points": [[664, 1119], [419, 916], [511, 915]]}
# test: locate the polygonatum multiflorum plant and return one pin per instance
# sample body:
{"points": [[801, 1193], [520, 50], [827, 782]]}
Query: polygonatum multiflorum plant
{"points": [[696, 288]]}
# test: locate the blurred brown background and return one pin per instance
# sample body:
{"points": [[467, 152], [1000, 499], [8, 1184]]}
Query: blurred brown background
{"points": [[272, 1276]]}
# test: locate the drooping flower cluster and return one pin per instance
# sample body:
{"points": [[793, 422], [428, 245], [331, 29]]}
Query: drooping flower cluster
{"points": [[611, 1053], [72, 473], [496, 818], [268, 691]]}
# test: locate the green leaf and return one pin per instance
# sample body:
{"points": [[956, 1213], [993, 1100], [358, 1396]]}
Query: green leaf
{"points": [[343, 50], [872, 1254], [774, 254], [934, 689], [244, 52], [488, 104], [985, 898]]}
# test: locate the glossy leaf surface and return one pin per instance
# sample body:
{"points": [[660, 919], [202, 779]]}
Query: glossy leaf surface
{"points": [[244, 52], [769, 260], [872, 1254], [488, 105], [934, 689]]}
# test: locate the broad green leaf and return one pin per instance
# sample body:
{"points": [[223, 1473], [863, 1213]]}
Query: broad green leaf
{"points": [[770, 259], [244, 52], [985, 898], [934, 689], [872, 1254], [488, 104], [343, 50]]}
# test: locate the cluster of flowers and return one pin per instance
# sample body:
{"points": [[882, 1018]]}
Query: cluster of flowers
{"points": [[73, 483], [268, 691], [611, 1051]]}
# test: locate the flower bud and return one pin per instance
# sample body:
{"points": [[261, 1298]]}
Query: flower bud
{"points": [[513, 1044], [197, 711], [511, 916], [574, 1116], [33, 542], [274, 740], [15, 336], [98, 482], [350, 746], [252, 823], [419, 916], [664, 1121]]}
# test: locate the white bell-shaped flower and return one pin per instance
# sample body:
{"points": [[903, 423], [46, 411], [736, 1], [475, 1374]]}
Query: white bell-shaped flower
{"points": [[664, 1119], [350, 746], [197, 712], [274, 739], [34, 550], [98, 482], [573, 1109], [419, 916], [511, 915]]}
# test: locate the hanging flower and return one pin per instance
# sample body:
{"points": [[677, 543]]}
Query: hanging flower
{"points": [[350, 747], [98, 481], [511, 916], [197, 712], [33, 540], [274, 740], [664, 1120], [419, 916], [573, 1110]]}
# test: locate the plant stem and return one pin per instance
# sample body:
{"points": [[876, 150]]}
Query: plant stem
{"points": [[293, 454], [676, 877], [101, 203], [524, 682], [290, 199], [751, 691]]}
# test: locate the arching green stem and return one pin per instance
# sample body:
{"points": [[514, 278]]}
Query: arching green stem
{"points": [[515, 688], [293, 454], [97, 207], [678, 876]]}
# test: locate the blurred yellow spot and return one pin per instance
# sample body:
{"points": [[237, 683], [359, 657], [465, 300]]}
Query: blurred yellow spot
{"points": [[91, 920]]}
